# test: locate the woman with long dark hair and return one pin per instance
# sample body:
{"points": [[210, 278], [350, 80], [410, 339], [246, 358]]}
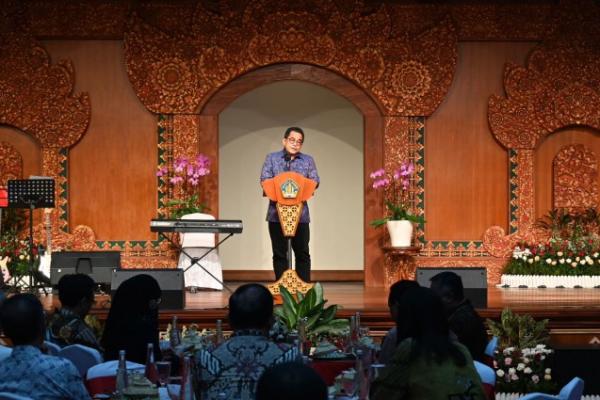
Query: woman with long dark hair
{"points": [[427, 364], [132, 321]]}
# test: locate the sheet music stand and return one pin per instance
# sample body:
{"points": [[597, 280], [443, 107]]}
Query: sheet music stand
{"points": [[31, 194]]}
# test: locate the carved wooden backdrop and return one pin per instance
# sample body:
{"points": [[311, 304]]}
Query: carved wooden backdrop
{"points": [[182, 58]]}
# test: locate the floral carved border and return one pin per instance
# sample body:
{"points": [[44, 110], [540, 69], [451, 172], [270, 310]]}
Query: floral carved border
{"points": [[175, 73]]}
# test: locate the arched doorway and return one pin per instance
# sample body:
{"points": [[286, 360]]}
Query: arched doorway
{"points": [[373, 140]]}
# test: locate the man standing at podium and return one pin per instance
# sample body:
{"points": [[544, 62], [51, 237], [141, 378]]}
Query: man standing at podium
{"points": [[290, 159]]}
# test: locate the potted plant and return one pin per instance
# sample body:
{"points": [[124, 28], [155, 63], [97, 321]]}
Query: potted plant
{"points": [[320, 320], [184, 175], [399, 218]]}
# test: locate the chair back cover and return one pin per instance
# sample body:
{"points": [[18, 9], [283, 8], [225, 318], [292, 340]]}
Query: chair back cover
{"points": [[82, 356], [53, 348], [197, 239], [5, 352]]}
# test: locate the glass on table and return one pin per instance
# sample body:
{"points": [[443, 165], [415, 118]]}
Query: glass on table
{"points": [[375, 371], [163, 369]]}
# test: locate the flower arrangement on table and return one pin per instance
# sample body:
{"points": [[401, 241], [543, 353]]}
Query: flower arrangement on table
{"points": [[185, 175], [15, 253], [521, 360], [397, 183]]}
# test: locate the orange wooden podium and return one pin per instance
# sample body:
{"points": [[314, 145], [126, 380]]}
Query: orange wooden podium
{"points": [[289, 190]]}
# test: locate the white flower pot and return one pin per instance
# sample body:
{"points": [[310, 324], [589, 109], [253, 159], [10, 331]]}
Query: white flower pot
{"points": [[400, 233]]}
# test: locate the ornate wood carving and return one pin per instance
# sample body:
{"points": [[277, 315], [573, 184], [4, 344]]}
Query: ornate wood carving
{"points": [[560, 86], [176, 73], [11, 163], [575, 178]]}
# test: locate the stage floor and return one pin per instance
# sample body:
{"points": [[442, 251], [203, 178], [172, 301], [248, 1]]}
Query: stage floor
{"points": [[573, 314]]}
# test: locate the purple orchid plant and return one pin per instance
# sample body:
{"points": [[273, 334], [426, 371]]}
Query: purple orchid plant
{"points": [[398, 182], [186, 173]]}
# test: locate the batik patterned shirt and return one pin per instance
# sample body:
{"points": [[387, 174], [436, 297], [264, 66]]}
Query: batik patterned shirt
{"points": [[29, 373], [275, 164], [234, 367], [66, 328]]}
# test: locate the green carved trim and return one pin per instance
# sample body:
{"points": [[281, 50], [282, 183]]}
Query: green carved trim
{"points": [[513, 171], [63, 191]]}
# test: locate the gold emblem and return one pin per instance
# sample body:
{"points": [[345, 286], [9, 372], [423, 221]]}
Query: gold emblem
{"points": [[290, 189]]}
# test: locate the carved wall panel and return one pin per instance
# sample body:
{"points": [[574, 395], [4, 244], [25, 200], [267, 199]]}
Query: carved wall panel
{"points": [[175, 73], [575, 178], [11, 164]]}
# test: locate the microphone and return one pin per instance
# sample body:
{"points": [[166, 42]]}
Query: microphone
{"points": [[288, 161]]}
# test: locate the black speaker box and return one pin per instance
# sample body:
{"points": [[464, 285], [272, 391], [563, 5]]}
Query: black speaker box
{"points": [[169, 280], [474, 281], [99, 265]]}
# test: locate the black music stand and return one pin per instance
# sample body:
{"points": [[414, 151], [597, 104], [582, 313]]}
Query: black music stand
{"points": [[31, 194]]}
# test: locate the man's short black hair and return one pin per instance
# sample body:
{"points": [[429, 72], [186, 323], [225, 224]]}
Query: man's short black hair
{"points": [[398, 289], [451, 283], [22, 319], [250, 307], [291, 381], [291, 129], [73, 288]]}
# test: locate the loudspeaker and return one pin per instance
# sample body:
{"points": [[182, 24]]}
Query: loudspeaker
{"points": [[99, 265], [170, 282], [474, 281]]}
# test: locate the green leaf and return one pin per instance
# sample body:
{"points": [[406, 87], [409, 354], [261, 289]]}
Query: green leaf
{"points": [[329, 313], [318, 290], [336, 327], [288, 299]]}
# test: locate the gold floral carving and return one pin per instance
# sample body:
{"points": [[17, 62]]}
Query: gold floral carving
{"points": [[558, 87], [11, 163], [36, 96], [175, 73], [575, 178]]}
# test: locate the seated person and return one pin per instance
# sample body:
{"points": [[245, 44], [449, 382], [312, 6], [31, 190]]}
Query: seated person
{"points": [[464, 321], [132, 321], [27, 372], [291, 381], [388, 346], [67, 325], [427, 364], [233, 368]]}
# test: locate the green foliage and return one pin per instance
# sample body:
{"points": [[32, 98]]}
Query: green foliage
{"points": [[188, 205], [320, 320], [398, 213], [571, 226], [520, 331]]}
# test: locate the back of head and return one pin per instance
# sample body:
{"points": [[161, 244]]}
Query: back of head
{"points": [[250, 307], [398, 289], [448, 285], [129, 306], [421, 317], [73, 288], [22, 319], [291, 381]]}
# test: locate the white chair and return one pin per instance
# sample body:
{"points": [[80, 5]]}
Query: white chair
{"points": [[5, 352], [10, 396], [197, 245], [82, 356], [491, 346], [571, 391], [52, 348]]}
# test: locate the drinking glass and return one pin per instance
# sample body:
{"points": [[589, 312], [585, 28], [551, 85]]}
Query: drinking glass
{"points": [[163, 368], [375, 371]]}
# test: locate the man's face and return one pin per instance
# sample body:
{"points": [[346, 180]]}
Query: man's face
{"points": [[293, 143]]}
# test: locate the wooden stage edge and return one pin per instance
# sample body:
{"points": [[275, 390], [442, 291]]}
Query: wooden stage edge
{"points": [[573, 314]]}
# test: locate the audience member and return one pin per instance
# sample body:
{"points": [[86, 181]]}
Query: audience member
{"points": [[291, 381], [234, 367], [67, 326], [427, 364], [464, 321], [391, 339], [27, 372], [132, 321]]}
